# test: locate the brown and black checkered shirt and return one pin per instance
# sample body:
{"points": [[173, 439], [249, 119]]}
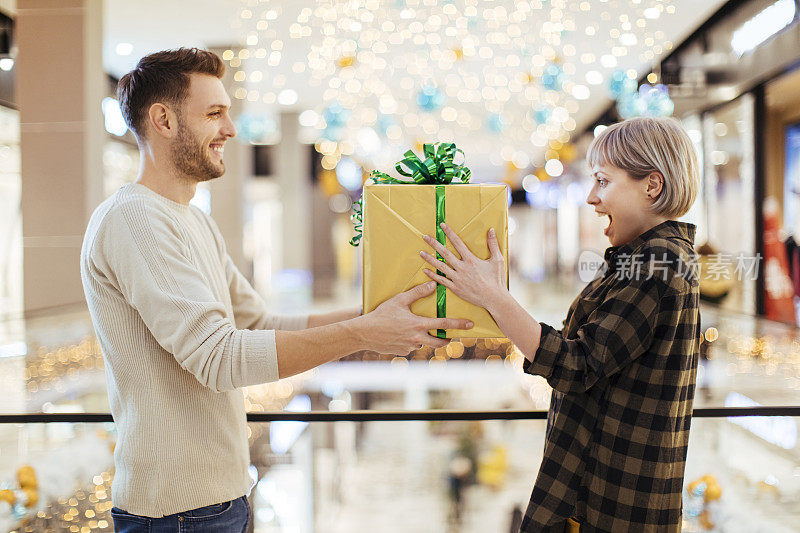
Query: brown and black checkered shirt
{"points": [[623, 375]]}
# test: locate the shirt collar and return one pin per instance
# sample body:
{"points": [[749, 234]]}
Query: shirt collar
{"points": [[669, 229]]}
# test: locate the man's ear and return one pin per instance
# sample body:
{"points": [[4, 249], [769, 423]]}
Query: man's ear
{"points": [[162, 120], [655, 184]]}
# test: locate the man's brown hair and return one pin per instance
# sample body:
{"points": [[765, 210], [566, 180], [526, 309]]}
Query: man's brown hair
{"points": [[162, 77]]}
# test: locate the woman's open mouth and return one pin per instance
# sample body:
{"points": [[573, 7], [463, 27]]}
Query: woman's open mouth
{"points": [[606, 230]]}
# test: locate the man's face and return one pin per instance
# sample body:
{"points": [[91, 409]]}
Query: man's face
{"points": [[203, 128]]}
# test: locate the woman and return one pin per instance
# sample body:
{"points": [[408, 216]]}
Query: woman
{"points": [[623, 367]]}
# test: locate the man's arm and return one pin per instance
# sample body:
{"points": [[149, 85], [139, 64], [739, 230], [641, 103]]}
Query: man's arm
{"points": [[391, 328], [249, 308], [148, 264], [323, 319]]}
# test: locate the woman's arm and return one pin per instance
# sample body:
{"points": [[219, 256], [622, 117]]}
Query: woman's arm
{"points": [[483, 283], [515, 323], [615, 333]]}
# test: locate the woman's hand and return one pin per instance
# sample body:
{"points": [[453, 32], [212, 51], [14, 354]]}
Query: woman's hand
{"points": [[470, 278]]}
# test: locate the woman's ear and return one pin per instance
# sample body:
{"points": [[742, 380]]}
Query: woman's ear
{"points": [[655, 184]]}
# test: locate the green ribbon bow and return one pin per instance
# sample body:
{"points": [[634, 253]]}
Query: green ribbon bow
{"points": [[438, 168]]}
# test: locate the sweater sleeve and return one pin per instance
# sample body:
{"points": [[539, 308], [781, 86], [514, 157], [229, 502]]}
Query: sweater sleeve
{"points": [[141, 252], [249, 307], [617, 332]]}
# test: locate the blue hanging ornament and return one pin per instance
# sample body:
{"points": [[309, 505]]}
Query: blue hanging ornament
{"points": [[18, 511], [656, 100], [553, 77], [335, 115], [429, 98], [383, 124], [662, 105], [495, 123], [620, 84], [336, 118], [256, 128], [631, 105], [540, 114]]}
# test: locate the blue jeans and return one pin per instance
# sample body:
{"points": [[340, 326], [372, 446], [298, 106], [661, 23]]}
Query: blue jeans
{"points": [[227, 517]]}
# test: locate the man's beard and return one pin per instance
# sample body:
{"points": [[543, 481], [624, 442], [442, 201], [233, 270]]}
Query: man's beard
{"points": [[191, 157]]}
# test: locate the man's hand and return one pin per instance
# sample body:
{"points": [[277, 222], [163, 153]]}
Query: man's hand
{"points": [[393, 328]]}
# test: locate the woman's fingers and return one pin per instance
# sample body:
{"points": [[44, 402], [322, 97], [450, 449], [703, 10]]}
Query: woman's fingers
{"points": [[494, 246], [448, 256], [442, 267], [449, 323], [458, 244], [441, 280]]}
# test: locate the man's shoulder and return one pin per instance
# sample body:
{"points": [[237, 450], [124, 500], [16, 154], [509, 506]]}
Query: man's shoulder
{"points": [[124, 214]]}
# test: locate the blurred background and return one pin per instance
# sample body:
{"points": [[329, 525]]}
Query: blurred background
{"points": [[323, 93]]}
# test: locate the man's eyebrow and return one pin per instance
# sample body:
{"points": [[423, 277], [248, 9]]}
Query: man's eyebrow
{"points": [[220, 106]]}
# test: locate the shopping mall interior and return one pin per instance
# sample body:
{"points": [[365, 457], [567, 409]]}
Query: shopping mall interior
{"points": [[323, 92]]}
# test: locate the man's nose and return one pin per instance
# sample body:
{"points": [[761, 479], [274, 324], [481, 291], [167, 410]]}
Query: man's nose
{"points": [[229, 130]]}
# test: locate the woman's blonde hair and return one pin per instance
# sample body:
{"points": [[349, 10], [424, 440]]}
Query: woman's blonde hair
{"points": [[643, 145]]}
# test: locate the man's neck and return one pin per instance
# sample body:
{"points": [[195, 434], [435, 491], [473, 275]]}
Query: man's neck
{"points": [[166, 181]]}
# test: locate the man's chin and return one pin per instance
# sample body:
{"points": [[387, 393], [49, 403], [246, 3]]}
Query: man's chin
{"points": [[212, 171]]}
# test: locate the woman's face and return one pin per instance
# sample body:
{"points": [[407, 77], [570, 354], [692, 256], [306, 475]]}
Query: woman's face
{"points": [[624, 200]]}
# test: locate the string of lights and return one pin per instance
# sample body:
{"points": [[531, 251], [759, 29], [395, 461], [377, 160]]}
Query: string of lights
{"points": [[510, 75]]}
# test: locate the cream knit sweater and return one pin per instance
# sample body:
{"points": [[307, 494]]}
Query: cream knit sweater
{"points": [[181, 331]]}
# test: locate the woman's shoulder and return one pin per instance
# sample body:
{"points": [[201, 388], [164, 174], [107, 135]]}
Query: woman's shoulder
{"points": [[671, 260]]}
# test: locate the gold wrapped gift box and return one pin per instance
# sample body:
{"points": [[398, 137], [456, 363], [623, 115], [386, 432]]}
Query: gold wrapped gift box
{"points": [[395, 219]]}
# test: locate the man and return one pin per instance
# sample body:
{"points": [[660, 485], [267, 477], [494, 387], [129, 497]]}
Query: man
{"points": [[180, 328]]}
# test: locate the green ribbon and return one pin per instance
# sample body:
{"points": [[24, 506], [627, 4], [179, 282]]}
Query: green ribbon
{"points": [[438, 168], [441, 293]]}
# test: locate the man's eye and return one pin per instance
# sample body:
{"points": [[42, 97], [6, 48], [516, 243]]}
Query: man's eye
{"points": [[215, 113], [601, 181]]}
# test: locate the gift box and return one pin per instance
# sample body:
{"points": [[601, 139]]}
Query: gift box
{"points": [[396, 214]]}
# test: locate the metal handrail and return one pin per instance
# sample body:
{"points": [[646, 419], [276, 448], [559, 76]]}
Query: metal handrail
{"points": [[375, 416]]}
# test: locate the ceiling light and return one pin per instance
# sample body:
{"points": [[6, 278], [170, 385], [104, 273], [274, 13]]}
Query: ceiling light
{"points": [[763, 26], [553, 167], [308, 118], [112, 115], [651, 13], [594, 77], [287, 97], [124, 49], [581, 92]]}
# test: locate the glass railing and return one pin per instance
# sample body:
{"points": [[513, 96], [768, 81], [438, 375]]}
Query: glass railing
{"points": [[435, 475], [392, 432]]}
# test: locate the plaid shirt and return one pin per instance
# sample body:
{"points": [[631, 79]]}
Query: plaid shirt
{"points": [[623, 375]]}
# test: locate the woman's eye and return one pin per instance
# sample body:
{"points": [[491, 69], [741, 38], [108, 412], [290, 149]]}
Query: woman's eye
{"points": [[214, 114], [601, 182]]}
